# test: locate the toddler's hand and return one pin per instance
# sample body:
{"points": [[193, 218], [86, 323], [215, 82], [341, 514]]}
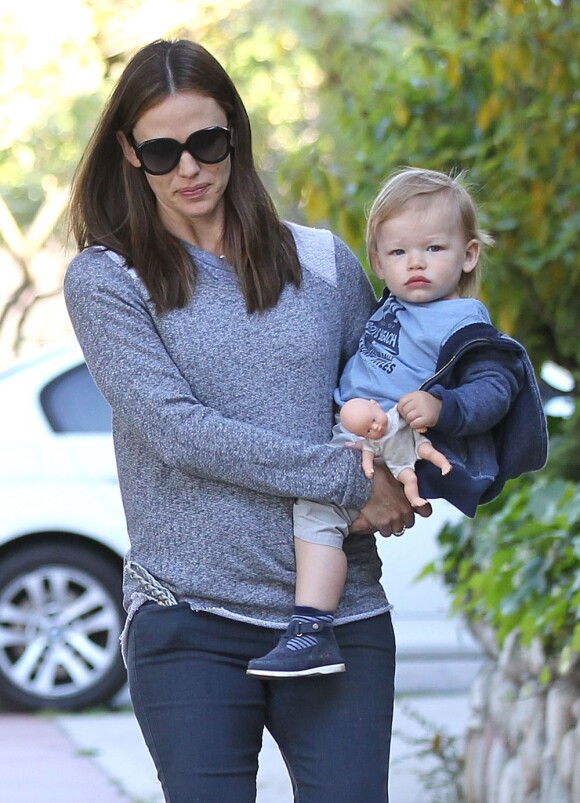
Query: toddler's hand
{"points": [[420, 409]]}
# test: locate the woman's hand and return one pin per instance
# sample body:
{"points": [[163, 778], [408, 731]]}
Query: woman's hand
{"points": [[387, 510]]}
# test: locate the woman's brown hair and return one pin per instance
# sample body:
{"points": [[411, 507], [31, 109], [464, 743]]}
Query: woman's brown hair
{"points": [[112, 204]]}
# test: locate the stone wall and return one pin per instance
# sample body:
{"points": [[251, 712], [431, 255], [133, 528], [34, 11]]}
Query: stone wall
{"points": [[523, 739]]}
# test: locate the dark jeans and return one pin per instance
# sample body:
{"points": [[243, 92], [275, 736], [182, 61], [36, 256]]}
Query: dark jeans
{"points": [[202, 717]]}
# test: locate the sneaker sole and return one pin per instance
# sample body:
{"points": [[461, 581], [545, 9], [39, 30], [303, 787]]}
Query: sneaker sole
{"points": [[331, 669]]}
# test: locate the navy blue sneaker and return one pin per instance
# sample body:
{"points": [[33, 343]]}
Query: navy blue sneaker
{"points": [[306, 648]]}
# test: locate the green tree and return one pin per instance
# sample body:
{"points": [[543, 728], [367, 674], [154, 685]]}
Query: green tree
{"points": [[56, 69], [488, 87], [340, 95]]}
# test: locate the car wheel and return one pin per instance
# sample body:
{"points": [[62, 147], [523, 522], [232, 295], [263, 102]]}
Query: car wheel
{"points": [[60, 618]]}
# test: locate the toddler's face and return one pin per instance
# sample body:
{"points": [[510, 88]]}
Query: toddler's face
{"points": [[422, 252]]}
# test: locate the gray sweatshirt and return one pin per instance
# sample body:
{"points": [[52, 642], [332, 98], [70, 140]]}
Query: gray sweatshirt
{"points": [[221, 419]]}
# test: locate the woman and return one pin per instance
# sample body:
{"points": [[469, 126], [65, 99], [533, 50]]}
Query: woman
{"points": [[217, 333]]}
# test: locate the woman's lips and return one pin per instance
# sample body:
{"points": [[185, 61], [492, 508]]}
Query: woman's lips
{"points": [[193, 192]]}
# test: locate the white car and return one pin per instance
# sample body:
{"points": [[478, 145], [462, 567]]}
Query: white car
{"points": [[62, 537]]}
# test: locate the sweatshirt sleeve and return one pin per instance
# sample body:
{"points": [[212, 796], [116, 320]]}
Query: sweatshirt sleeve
{"points": [[145, 388], [486, 388]]}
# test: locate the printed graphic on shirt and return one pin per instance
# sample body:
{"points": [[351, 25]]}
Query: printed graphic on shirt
{"points": [[380, 341]]}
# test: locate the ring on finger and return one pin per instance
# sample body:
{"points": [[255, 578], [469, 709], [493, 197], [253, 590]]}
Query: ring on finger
{"points": [[400, 531]]}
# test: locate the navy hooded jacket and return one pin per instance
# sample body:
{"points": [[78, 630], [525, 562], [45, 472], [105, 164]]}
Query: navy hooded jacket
{"points": [[483, 457]]}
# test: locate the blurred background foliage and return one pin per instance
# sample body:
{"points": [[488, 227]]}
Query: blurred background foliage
{"points": [[340, 94]]}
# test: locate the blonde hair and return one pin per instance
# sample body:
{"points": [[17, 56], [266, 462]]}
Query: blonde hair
{"points": [[413, 183]]}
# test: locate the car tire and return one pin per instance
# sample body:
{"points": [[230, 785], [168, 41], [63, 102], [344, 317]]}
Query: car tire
{"points": [[60, 618]]}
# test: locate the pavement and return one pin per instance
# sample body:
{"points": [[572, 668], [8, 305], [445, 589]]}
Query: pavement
{"points": [[100, 756]]}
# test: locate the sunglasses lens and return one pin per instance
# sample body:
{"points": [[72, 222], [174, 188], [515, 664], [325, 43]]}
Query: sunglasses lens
{"points": [[210, 145], [160, 155]]}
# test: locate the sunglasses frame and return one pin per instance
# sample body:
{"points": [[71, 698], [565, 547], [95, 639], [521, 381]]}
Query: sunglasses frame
{"points": [[138, 148]]}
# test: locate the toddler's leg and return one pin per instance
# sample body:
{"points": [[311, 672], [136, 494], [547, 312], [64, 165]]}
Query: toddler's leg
{"points": [[320, 574], [308, 647]]}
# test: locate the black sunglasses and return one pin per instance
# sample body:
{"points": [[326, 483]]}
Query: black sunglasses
{"points": [[160, 156]]}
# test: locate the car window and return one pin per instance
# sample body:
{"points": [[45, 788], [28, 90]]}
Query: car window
{"points": [[73, 403]]}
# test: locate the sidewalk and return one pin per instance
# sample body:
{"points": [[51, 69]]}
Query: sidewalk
{"points": [[101, 757]]}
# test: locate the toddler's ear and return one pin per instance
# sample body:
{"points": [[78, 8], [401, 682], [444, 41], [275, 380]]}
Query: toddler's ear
{"points": [[472, 252], [376, 266]]}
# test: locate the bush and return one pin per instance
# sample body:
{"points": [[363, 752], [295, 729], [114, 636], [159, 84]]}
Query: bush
{"points": [[515, 566]]}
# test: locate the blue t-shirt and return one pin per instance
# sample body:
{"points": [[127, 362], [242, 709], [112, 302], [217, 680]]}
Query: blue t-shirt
{"points": [[400, 345]]}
